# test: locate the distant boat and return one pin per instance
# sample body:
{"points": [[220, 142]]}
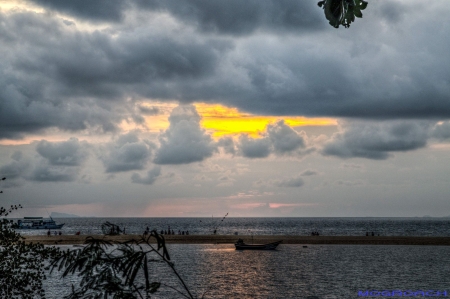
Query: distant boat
{"points": [[240, 245], [37, 223]]}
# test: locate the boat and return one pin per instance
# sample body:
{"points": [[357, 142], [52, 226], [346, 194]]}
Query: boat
{"points": [[240, 245], [37, 223]]}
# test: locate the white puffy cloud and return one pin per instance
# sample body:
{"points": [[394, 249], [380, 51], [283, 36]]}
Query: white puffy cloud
{"points": [[184, 141]]}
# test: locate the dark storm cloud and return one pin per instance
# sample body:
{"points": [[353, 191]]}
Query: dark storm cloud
{"points": [[378, 140], [151, 177], [68, 153], [58, 74], [127, 153], [53, 75], [241, 17], [184, 141], [218, 16], [98, 10]]}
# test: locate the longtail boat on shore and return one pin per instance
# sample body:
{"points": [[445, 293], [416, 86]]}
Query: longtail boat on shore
{"points": [[240, 245]]}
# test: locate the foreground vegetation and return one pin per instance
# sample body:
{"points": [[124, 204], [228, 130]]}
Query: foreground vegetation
{"points": [[105, 271]]}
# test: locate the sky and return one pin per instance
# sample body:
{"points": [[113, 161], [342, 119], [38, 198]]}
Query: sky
{"points": [[198, 108]]}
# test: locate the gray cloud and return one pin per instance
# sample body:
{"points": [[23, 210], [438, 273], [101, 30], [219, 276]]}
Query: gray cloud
{"points": [[43, 172], [151, 177], [127, 153], [56, 74], [68, 153], [184, 141], [284, 138], [57, 162], [254, 148], [227, 143], [278, 138], [377, 140], [99, 10], [441, 131], [349, 183], [238, 18], [76, 80], [15, 170], [149, 111], [293, 182], [309, 172], [225, 17]]}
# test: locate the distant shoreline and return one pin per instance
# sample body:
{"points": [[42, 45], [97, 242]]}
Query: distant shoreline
{"points": [[231, 239]]}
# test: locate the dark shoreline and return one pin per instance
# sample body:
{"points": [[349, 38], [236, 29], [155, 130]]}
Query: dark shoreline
{"points": [[231, 239]]}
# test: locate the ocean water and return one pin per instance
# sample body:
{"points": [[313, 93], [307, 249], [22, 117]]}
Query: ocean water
{"points": [[265, 226], [292, 271]]}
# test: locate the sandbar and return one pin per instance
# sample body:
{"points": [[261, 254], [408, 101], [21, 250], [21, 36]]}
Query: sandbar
{"points": [[231, 239]]}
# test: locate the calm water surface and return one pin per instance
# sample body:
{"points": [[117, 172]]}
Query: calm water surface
{"points": [[331, 271]]}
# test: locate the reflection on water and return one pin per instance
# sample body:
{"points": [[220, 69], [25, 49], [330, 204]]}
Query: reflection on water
{"points": [[324, 272], [342, 12]]}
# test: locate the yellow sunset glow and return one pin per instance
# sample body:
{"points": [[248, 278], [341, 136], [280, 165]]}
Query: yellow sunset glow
{"points": [[221, 120], [217, 119]]}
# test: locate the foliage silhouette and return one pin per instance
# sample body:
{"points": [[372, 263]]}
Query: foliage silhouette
{"points": [[111, 229], [112, 271], [22, 266], [106, 270], [342, 12]]}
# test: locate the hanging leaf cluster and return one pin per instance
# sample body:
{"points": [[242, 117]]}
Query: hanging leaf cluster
{"points": [[116, 271], [342, 12]]}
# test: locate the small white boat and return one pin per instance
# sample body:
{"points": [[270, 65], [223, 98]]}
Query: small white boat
{"points": [[37, 223]]}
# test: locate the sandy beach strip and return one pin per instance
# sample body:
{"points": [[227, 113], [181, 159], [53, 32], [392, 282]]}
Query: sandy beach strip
{"points": [[231, 239]]}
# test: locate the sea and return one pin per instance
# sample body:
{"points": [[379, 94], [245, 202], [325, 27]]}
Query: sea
{"points": [[293, 270], [327, 226]]}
